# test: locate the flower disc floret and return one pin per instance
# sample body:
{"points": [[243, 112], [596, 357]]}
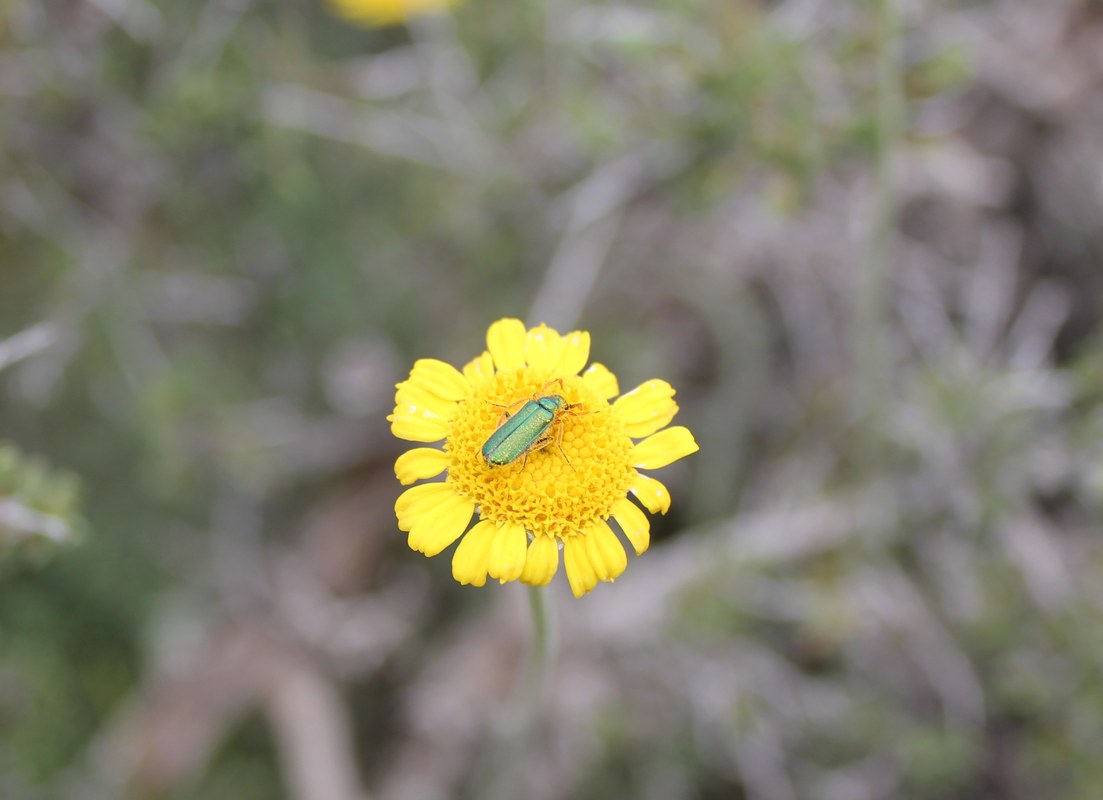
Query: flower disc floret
{"points": [[558, 490]]}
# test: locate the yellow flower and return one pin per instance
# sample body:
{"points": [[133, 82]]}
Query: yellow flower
{"points": [[558, 496], [377, 13]]}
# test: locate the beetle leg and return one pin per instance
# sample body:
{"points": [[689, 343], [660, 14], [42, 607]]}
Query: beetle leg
{"points": [[544, 388], [541, 443], [517, 404], [559, 444], [556, 439], [569, 410], [507, 410]]}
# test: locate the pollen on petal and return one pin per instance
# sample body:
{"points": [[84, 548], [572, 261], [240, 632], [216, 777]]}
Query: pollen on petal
{"points": [[575, 353], [419, 415], [541, 561], [647, 408], [543, 348], [652, 493], [505, 339], [472, 557], [580, 574], [664, 447], [601, 381], [605, 551], [507, 553], [443, 380], [409, 393], [634, 523], [419, 463]]}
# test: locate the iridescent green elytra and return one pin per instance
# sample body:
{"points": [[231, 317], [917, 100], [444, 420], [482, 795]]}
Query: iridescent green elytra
{"points": [[525, 431]]}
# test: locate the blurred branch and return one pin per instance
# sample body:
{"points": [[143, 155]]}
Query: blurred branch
{"points": [[596, 207], [141, 20], [30, 494], [573, 271], [173, 727], [313, 732], [873, 277], [27, 343], [418, 138]]}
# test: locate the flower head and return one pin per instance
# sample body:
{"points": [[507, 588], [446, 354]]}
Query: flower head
{"points": [[570, 462], [378, 13]]}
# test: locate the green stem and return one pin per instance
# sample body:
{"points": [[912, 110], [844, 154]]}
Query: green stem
{"points": [[538, 658], [504, 773]]}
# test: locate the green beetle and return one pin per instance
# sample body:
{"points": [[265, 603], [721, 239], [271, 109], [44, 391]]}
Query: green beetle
{"points": [[527, 431]]}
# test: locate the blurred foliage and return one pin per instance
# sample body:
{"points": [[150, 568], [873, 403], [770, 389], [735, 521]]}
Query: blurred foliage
{"points": [[245, 220], [38, 506]]}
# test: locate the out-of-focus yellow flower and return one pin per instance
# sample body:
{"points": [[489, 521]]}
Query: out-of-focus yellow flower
{"points": [[558, 496], [378, 13]]}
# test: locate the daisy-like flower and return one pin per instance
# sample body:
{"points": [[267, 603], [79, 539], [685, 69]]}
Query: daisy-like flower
{"points": [[560, 496], [379, 13]]}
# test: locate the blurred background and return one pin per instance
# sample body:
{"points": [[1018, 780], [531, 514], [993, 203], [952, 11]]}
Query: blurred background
{"points": [[862, 238]]}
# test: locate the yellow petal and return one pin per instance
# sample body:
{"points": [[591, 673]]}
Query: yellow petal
{"points": [[664, 448], [409, 394], [479, 369], [436, 528], [421, 462], [580, 574], [652, 493], [541, 561], [601, 381], [605, 551], [634, 523], [575, 353], [470, 561], [434, 514], [647, 408], [418, 428], [378, 13], [505, 339], [419, 415], [507, 553], [440, 378], [543, 348], [412, 500]]}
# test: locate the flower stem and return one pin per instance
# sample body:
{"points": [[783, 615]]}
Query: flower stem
{"points": [[538, 658], [503, 777]]}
